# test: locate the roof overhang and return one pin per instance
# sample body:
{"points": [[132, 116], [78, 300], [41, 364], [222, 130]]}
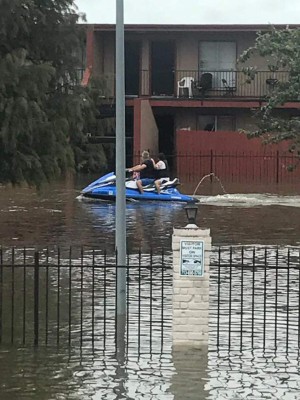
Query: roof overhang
{"points": [[140, 28]]}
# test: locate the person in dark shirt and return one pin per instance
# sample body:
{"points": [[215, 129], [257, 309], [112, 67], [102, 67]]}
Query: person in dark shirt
{"points": [[146, 170]]}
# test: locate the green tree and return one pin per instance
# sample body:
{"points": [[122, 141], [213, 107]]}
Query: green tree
{"points": [[44, 112], [91, 156], [281, 50]]}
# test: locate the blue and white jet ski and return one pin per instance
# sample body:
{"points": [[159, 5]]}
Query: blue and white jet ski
{"points": [[104, 188]]}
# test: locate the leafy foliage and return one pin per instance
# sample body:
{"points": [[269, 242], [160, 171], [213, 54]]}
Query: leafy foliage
{"points": [[281, 50], [44, 113], [92, 157]]}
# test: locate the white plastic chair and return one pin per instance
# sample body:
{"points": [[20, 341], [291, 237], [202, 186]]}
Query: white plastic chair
{"points": [[185, 83]]}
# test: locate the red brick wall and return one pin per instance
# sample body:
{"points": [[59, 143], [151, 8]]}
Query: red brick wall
{"points": [[232, 157]]}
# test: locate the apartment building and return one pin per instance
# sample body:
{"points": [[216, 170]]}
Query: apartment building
{"points": [[185, 88]]}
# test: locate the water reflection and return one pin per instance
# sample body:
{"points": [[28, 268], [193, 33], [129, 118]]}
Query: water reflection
{"points": [[191, 373], [49, 374], [148, 224], [253, 375], [54, 216]]}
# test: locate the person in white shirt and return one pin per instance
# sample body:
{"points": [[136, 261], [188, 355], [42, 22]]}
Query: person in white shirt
{"points": [[162, 171]]}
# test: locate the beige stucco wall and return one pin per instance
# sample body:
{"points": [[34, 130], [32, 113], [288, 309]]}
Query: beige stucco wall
{"points": [[145, 54], [186, 60], [186, 45], [104, 61], [98, 54], [186, 52]]}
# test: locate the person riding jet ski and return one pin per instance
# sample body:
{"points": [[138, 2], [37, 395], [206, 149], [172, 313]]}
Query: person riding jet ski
{"points": [[162, 171], [147, 171]]}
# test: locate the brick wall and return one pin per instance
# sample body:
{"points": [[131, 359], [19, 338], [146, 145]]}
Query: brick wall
{"points": [[190, 294]]}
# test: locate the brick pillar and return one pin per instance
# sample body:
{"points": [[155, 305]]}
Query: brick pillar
{"points": [[191, 250]]}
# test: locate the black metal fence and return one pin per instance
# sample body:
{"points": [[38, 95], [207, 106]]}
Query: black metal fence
{"points": [[232, 84], [255, 298], [53, 297], [221, 84]]}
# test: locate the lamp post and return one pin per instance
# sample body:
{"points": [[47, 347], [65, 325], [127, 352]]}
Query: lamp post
{"points": [[191, 210], [120, 162]]}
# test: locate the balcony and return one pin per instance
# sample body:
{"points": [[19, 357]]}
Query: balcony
{"points": [[213, 84], [194, 84]]}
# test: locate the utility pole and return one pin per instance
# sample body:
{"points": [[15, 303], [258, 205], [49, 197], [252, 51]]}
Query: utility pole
{"points": [[120, 164]]}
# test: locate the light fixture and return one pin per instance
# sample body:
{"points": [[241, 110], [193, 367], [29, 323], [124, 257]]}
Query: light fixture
{"points": [[191, 213]]}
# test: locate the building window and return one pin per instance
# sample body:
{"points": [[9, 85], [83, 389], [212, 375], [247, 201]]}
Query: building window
{"points": [[219, 58], [216, 123]]}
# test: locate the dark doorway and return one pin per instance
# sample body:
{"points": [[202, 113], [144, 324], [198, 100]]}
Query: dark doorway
{"points": [[132, 68], [165, 125], [162, 68]]}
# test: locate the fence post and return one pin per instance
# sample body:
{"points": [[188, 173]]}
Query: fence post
{"points": [[211, 164], [191, 251], [277, 166], [1, 292], [36, 298]]}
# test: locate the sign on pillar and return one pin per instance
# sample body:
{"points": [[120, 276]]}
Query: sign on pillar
{"points": [[191, 255]]}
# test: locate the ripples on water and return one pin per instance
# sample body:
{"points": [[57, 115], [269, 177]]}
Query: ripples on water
{"points": [[250, 200], [61, 373], [263, 362], [52, 374], [72, 375], [55, 217], [253, 375]]}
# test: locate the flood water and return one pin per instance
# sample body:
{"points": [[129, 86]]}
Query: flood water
{"points": [[56, 216]]}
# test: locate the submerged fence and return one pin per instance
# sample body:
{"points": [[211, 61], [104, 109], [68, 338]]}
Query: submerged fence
{"points": [[255, 301], [54, 297], [58, 298]]}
